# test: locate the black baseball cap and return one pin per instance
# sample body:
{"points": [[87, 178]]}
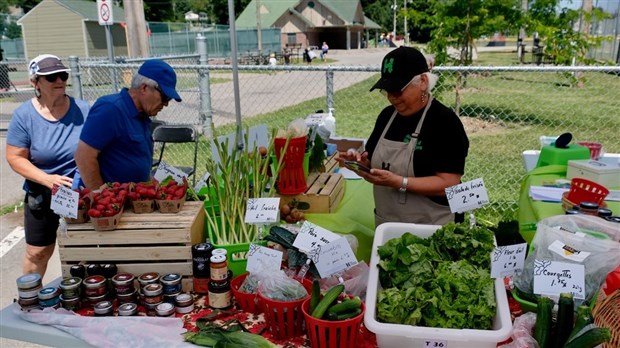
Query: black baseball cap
{"points": [[399, 67]]}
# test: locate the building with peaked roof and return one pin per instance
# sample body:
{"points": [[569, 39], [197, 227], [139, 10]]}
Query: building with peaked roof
{"points": [[70, 28], [340, 23]]}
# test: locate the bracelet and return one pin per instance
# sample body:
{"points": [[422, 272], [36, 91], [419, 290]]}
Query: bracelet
{"points": [[403, 185]]}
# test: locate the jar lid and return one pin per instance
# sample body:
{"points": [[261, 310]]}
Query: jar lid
{"points": [[103, 307], [94, 281], [70, 300], [219, 251], [28, 281], [95, 299], [588, 205], [613, 218], [127, 309], [202, 246], [573, 211], [184, 299], [152, 289], [171, 278], [218, 258], [123, 278], [603, 212], [148, 277], [48, 293], [70, 283], [164, 309]]}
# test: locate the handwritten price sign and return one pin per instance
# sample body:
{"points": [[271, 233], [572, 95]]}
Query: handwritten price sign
{"points": [[263, 259], [467, 196], [262, 210], [507, 260], [334, 257], [165, 170], [554, 278], [65, 201], [311, 236]]}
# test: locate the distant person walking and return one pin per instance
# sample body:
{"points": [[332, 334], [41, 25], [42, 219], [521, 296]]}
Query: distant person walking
{"points": [[5, 82], [324, 50]]}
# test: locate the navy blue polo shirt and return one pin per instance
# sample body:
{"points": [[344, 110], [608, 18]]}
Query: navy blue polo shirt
{"points": [[122, 134]]}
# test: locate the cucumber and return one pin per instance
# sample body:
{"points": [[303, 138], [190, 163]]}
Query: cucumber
{"points": [[330, 296], [345, 306], [565, 319], [315, 297], [542, 328], [590, 336], [584, 318], [344, 315]]}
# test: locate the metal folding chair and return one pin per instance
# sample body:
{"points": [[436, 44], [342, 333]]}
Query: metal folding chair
{"points": [[167, 133]]}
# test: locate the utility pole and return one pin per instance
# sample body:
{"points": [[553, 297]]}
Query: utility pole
{"points": [[405, 23], [394, 7], [520, 45], [137, 41], [259, 33]]}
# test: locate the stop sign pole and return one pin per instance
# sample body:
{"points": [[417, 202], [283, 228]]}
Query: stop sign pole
{"points": [[105, 14]]}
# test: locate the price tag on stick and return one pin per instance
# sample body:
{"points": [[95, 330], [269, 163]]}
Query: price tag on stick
{"points": [[467, 196], [65, 201], [262, 210], [165, 170], [507, 260]]}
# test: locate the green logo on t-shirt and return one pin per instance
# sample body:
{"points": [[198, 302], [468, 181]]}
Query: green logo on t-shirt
{"points": [[388, 65], [418, 146]]}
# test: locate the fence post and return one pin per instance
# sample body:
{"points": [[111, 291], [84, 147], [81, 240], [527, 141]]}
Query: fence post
{"points": [[76, 78], [206, 113], [329, 81]]}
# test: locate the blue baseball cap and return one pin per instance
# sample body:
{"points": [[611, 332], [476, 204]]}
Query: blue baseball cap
{"points": [[162, 73]]}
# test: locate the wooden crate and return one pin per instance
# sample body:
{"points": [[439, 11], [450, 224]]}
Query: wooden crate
{"points": [[141, 243], [324, 193]]}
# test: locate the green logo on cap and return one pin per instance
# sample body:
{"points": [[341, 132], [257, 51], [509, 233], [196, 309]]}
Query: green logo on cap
{"points": [[388, 65]]}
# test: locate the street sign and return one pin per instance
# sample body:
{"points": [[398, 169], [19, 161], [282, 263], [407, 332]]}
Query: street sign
{"points": [[104, 12]]}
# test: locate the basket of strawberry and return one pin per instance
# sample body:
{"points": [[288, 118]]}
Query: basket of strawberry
{"points": [[107, 206], [83, 206], [142, 197], [171, 195]]}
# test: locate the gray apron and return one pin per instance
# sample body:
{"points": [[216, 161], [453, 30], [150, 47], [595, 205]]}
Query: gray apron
{"points": [[392, 205]]}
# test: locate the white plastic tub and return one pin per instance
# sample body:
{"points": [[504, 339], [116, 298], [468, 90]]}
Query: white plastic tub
{"points": [[398, 335]]}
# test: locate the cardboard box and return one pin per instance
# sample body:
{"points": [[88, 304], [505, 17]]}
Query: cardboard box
{"points": [[601, 173], [399, 335], [141, 243], [345, 144]]}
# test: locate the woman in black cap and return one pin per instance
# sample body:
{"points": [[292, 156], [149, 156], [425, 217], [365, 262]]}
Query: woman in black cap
{"points": [[417, 148], [41, 139]]}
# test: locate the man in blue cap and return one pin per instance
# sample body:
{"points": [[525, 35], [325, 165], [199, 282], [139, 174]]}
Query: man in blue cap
{"points": [[116, 142]]}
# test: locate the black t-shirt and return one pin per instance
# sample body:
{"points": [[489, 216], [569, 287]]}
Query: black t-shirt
{"points": [[442, 144]]}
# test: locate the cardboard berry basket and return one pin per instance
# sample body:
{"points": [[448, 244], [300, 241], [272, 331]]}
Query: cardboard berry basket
{"points": [[82, 217], [171, 206], [107, 223], [143, 206]]}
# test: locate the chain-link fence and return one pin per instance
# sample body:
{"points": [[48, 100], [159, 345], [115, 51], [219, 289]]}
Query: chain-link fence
{"points": [[504, 109]]}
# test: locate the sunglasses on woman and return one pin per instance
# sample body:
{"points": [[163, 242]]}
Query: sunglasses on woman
{"points": [[64, 76]]}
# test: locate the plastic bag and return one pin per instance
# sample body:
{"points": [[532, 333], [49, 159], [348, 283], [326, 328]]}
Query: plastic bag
{"points": [[522, 332], [603, 255], [278, 286], [249, 284], [355, 281]]}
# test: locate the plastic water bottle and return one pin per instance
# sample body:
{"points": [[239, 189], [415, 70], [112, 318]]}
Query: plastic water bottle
{"points": [[330, 122]]}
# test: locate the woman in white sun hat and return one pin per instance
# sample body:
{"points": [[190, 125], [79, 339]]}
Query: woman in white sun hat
{"points": [[41, 139]]}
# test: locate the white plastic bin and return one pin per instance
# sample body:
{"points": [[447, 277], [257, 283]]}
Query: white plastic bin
{"points": [[398, 335]]}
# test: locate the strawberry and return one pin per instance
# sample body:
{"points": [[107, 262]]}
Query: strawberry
{"points": [[100, 207], [94, 213], [113, 206], [179, 193]]}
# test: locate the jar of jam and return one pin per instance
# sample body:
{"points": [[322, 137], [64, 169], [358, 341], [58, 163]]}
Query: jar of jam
{"points": [[220, 251], [184, 303], [95, 286], [151, 309], [28, 303], [153, 293], [78, 271], [127, 309], [128, 298], [93, 300], [29, 285], [93, 269], [103, 309], [70, 304], [201, 253], [165, 309], [171, 283], [219, 294], [219, 267], [589, 208], [71, 288], [148, 278], [49, 297], [170, 298], [123, 283]]}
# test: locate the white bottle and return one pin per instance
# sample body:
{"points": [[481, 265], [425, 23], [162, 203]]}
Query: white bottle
{"points": [[330, 123]]}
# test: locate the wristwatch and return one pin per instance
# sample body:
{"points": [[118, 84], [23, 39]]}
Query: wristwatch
{"points": [[403, 185]]}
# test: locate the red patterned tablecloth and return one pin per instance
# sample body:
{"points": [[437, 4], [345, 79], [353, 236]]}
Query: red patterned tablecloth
{"points": [[254, 323]]}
